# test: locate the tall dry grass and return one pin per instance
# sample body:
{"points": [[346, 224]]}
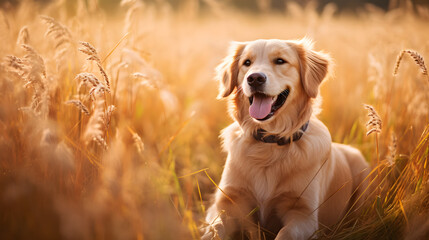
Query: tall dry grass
{"points": [[109, 124]]}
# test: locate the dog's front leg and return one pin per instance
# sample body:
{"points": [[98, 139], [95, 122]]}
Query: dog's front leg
{"points": [[228, 214], [214, 227], [299, 216], [298, 225]]}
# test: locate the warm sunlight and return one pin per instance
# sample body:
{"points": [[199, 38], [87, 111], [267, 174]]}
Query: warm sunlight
{"points": [[110, 121]]}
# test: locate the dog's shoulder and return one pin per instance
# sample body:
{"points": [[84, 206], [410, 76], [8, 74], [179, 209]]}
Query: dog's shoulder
{"points": [[229, 134]]}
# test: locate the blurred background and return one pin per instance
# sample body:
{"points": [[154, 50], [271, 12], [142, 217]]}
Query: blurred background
{"points": [[246, 5], [109, 121]]}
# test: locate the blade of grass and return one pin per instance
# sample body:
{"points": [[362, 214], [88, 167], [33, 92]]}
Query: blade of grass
{"points": [[201, 199], [220, 189], [114, 48], [174, 136], [403, 212], [193, 173]]}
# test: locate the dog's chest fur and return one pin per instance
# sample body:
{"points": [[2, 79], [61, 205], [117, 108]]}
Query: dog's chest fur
{"points": [[266, 177], [277, 182], [268, 171], [263, 186]]}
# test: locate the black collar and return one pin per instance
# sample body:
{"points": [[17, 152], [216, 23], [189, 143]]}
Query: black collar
{"points": [[260, 135]]}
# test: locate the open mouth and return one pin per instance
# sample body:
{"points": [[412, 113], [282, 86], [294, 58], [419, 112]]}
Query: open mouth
{"points": [[263, 107]]}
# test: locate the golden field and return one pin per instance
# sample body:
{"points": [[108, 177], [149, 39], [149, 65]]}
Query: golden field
{"points": [[109, 122]]}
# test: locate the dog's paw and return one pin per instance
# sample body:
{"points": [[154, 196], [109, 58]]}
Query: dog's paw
{"points": [[213, 232]]}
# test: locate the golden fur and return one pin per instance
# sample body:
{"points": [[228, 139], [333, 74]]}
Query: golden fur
{"points": [[287, 191]]}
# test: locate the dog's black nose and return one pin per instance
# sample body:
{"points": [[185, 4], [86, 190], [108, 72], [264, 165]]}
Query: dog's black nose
{"points": [[256, 79]]}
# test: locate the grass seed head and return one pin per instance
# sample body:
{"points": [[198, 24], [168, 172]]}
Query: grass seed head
{"points": [[95, 128], [418, 59], [374, 123], [63, 40], [79, 105], [89, 50], [56, 29], [23, 36], [90, 80], [391, 155], [138, 142]]}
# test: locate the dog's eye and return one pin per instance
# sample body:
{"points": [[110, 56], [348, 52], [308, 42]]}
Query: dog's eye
{"points": [[247, 63], [279, 61]]}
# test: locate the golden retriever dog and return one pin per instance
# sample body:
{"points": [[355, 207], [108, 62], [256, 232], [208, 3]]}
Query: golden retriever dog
{"points": [[283, 175]]}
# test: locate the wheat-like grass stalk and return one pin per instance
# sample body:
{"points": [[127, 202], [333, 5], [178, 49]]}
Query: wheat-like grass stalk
{"points": [[35, 60], [145, 80], [391, 155], [23, 36], [90, 80], [31, 73], [374, 125], [417, 58], [15, 64], [58, 31], [94, 131], [89, 50], [79, 105], [131, 14], [62, 37], [138, 142], [108, 115], [31, 70]]}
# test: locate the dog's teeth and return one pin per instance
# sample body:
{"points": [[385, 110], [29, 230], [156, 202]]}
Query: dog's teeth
{"points": [[274, 98]]}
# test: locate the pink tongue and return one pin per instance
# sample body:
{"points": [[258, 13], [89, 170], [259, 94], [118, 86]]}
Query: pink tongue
{"points": [[261, 107]]}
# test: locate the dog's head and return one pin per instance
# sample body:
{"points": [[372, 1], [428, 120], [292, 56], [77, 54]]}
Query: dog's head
{"points": [[272, 82]]}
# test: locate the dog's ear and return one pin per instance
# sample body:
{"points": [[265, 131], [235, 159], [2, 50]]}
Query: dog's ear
{"points": [[227, 71], [313, 66]]}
